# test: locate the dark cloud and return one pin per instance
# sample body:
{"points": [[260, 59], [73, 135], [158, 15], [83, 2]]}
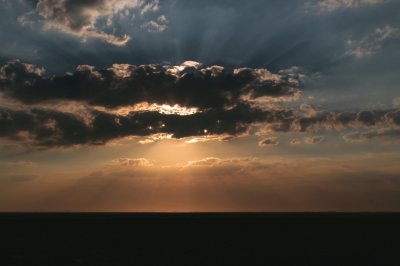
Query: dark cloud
{"points": [[226, 103], [336, 120], [122, 85], [50, 128]]}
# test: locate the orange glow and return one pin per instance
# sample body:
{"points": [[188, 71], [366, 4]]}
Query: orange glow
{"points": [[162, 109]]}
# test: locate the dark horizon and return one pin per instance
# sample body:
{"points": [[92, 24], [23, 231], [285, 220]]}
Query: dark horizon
{"points": [[200, 239]]}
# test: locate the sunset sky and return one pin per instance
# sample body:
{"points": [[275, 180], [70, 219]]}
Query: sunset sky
{"points": [[186, 105]]}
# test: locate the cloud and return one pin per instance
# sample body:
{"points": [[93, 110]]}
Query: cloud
{"points": [[332, 5], [314, 139], [308, 110], [335, 120], [80, 18], [50, 128], [363, 136], [210, 161], [230, 168], [121, 85], [371, 43], [271, 141], [396, 102], [132, 162], [25, 20], [155, 102], [295, 142], [159, 25]]}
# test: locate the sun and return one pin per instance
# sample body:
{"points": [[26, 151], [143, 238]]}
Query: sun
{"points": [[173, 151]]}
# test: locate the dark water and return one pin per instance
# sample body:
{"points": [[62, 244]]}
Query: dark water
{"points": [[200, 239]]}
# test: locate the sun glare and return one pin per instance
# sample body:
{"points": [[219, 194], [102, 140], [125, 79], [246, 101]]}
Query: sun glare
{"points": [[162, 109]]}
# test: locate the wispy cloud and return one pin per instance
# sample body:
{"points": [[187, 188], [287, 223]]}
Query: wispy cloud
{"points": [[80, 18], [158, 25], [271, 141], [314, 139], [332, 5], [364, 136], [132, 162], [371, 43]]}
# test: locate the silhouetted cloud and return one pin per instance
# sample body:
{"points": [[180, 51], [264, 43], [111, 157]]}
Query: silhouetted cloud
{"points": [[163, 101], [49, 128], [187, 85], [335, 120]]}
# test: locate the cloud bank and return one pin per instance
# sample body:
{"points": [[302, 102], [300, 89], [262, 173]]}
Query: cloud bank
{"points": [[49, 128], [123, 85], [164, 101]]}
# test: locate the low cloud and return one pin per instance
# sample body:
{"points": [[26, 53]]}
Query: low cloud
{"points": [[271, 141], [210, 161], [335, 120], [132, 162], [50, 128], [364, 136], [220, 184], [313, 140], [308, 110], [295, 142]]}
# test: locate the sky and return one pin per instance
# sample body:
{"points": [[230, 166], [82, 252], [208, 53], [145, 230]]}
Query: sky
{"points": [[187, 106]]}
